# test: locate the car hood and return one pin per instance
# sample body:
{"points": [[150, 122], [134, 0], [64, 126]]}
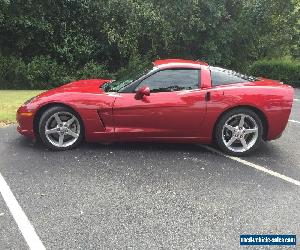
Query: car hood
{"points": [[81, 85]]}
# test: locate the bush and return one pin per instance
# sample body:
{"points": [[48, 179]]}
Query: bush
{"points": [[40, 73], [12, 73], [44, 73], [284, 70], [92, 70], [135, 64]]}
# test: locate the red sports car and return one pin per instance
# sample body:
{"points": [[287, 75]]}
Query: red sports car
{"points": [[173, 101]]}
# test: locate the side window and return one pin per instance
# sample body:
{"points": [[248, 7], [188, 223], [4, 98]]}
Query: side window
{"points": [[172, 80], [221, 76]]}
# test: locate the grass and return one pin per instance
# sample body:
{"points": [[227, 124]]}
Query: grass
{"points": [[11, 100]]}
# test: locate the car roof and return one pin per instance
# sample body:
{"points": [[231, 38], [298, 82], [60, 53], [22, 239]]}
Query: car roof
{"points": [[178, 63]]}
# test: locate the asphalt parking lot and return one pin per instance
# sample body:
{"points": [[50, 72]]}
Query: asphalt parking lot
{"points": [[149, 196]]}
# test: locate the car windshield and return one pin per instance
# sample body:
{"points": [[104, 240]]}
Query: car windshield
{"points": [[125, 80]]}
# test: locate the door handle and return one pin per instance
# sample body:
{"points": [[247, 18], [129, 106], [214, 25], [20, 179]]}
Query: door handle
{"points": [[207, 96]]}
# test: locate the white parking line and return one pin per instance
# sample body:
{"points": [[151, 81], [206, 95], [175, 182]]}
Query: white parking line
{"points": [[252, 165], [20, 217], [294, 121]]}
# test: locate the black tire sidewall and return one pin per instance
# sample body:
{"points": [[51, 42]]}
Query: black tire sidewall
{"points": [[42, 123], [223, 119]]}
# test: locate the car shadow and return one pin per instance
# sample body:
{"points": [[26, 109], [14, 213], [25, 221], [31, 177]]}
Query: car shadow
{"points": [[144, 146], [266, 148], [117, 159]]}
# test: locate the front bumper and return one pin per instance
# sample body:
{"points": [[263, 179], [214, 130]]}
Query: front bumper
{"points": [[25, 122]]}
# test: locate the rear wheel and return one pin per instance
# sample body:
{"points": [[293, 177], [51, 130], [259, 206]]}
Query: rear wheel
{"points": [[239, 132], [60, 128]]}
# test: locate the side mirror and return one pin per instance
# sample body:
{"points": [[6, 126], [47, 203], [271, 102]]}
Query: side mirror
{"points": [[141, 92]]}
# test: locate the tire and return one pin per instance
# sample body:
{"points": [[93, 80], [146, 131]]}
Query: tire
{"points": [[239, 132], [60, 128]]}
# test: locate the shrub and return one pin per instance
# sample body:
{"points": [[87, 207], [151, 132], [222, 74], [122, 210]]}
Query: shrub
{"points": [[40, 73], [92, 70], [135, 64], [284, 70], [12, 73], [44, 73]]}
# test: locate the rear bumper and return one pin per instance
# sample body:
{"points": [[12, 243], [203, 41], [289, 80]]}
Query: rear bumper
{"points": [[277, 124], [25, 122], [278, 117]]}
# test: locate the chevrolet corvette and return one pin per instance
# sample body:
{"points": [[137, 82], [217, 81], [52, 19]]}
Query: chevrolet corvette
{"points": [[174, 100]]}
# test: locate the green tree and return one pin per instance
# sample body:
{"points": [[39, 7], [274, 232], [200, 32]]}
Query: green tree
{"points": [[112, 34]]}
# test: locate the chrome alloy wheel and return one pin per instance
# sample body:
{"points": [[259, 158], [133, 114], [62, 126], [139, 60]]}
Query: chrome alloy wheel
{"points": [[62, 129], [239, 133]]}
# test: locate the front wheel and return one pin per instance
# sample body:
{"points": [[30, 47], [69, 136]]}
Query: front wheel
{"points": [[60, 128], [239, 132]]}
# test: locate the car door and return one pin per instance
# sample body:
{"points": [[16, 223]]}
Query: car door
{"points": [[175, 107]]}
